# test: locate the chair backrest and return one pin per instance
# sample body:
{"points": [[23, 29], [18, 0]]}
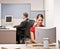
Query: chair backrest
{"points": [[31, 22], [26, 31]]}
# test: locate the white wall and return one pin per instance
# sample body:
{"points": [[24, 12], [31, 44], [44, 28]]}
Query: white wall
{"points": [[35, 4], [52, 8], [49, 12], [57, 17]]}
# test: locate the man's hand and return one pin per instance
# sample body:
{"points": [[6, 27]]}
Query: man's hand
{"points": [[15, 26]]}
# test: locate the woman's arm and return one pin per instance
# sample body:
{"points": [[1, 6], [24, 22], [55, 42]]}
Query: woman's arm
{"points": [[32, 37]]}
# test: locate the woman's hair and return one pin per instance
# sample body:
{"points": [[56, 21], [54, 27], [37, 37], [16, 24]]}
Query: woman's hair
{"points": [[39, 15]]}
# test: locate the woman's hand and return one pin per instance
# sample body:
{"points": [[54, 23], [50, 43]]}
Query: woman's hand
{"points": [[32, 41]]}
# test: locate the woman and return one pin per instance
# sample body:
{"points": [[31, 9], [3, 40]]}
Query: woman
{"points": [[39, 21]]}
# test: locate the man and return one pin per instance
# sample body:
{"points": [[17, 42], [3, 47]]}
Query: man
{"points": [[22, 30]]}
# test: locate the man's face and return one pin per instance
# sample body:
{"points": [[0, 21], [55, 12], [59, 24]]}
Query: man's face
{"points": [[24, 17]]}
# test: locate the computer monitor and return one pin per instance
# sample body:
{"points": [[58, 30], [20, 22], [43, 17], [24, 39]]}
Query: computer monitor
{"points": [[45, 32]]}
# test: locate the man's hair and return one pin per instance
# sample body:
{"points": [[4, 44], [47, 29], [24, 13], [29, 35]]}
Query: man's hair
{"points": [[25, 14]]}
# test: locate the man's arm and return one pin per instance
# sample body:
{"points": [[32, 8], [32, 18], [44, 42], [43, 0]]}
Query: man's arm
{"points": [[21, 25]]}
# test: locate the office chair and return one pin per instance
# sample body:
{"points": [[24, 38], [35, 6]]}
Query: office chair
{"points": [[24, 32]]}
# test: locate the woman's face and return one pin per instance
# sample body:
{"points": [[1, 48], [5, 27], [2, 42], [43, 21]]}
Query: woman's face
{"points": [[40, 20]]}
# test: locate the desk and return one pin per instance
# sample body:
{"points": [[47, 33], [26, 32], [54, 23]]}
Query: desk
{"points": [[7, 36], [26, 46], [40, 46]]}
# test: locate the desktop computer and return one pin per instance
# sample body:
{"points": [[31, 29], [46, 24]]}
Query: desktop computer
{"points": [[45, 32]]}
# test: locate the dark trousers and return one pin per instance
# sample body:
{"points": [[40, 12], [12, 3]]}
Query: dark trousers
{"points": [[20, 35], [18, 38]]}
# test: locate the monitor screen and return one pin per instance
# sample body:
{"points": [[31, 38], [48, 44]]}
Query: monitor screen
{"points": [[8, 19]]}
